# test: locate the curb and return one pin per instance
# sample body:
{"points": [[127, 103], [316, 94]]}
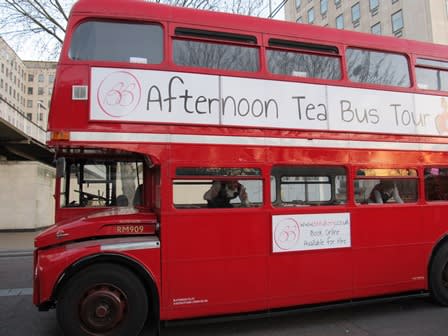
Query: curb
{"points": [[15, 253]]}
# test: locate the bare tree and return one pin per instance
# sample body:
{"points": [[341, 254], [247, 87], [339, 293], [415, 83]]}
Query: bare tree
{"points": [[44, 21]]}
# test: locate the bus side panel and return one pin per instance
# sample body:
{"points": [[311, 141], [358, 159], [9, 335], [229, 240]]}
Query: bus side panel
{"points": [[215, 262], [389, 253]]}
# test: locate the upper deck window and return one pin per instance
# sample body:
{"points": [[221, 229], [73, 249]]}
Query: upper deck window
{"points": [[303, 64], [215, 55], [365, 66], [118, 42], [432, 75]]}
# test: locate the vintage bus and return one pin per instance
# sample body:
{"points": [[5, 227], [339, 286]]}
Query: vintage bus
{"points": [[334, 142]]}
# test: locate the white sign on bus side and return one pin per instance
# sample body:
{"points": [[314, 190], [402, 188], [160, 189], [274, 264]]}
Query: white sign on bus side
{"points": [[310, 232], [149, 96]]}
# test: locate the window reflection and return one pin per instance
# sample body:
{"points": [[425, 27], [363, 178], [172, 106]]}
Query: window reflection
{"points": [[303, 65], [377, 67], [215, 55], [118, 41]]}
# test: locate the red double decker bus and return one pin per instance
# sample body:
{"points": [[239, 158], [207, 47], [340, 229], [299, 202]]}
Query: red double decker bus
{"points": [[213, 164]]}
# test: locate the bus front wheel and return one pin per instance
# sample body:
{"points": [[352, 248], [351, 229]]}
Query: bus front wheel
{"points": [[103, 299], [438, 277]]}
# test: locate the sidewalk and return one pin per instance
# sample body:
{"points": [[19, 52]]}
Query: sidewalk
{"points": [[17, 243]]}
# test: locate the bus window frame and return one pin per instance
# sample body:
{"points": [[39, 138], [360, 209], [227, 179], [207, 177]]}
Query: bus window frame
{"points": [[304, 52], [424, 184], [416, 65], [368, 85], [221, 178], [419, 197], [92, 63], [275, 204], [172, 36], [267, 38]]}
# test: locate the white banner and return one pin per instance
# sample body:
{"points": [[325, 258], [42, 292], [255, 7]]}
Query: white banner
{"points": [[149, 96], [310, 232]]}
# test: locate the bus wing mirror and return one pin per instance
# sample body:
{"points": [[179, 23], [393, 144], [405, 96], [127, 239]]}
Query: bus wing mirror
{"points": [[60, 167]]}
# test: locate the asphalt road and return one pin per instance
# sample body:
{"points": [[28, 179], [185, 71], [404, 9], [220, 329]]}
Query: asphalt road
{"points": [[406, 317]]}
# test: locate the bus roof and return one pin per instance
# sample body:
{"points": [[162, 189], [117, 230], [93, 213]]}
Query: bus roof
{"points": [[144, 10]]}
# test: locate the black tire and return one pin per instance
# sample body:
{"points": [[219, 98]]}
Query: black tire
{"points": [[438, 276], [103, 299]]}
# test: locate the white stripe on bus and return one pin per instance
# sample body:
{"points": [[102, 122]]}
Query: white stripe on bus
{"points": [[130, 246], [253, 141]]}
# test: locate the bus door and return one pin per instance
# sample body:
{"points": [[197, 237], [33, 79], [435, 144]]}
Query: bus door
{"points": [[311, 256], [214, 254], [387, 232]]}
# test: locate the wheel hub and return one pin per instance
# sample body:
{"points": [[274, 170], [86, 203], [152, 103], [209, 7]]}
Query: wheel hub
{"points": [[102, 308]]}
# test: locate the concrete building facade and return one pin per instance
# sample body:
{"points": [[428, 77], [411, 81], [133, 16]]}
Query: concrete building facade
{"points": [[26, 186], [424, 20], [39, 88]]}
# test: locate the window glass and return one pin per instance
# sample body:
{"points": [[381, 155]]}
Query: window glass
{"points": [[432, 63], [380, 185], [311, 15], [98, 183], [397, 21], [376, 29], [298, 2], [217, 188], [374, 4], [436, 184], [376, 67], [356, 14], [340, 21], [431, 79], [299, 64], [305, 186], [117, 41], [215, 55], [323, 7]]}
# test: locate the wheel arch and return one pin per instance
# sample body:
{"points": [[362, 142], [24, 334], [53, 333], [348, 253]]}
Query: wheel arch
{"points": [[442, 241], [133, 265]]}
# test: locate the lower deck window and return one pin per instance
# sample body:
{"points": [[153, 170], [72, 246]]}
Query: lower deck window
{"points": [[188, 194], [380, 186], [98, 183], [436, 184], [217, 188], [305, 186]]}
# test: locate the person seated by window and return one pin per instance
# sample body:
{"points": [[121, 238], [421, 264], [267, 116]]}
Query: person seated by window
{"points": [[222, 192], [384, 191]]}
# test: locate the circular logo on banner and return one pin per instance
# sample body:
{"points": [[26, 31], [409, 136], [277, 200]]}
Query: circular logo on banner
{"points": [[119, 94], [286, 233]]}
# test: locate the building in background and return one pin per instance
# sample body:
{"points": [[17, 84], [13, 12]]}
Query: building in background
{"points": [[26, 178], [425, 20], [39, 87], [26, 86]]}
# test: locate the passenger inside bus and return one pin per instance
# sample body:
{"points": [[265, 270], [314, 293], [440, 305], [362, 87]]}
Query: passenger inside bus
{"points": [[384, 191], [222, 192]]}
